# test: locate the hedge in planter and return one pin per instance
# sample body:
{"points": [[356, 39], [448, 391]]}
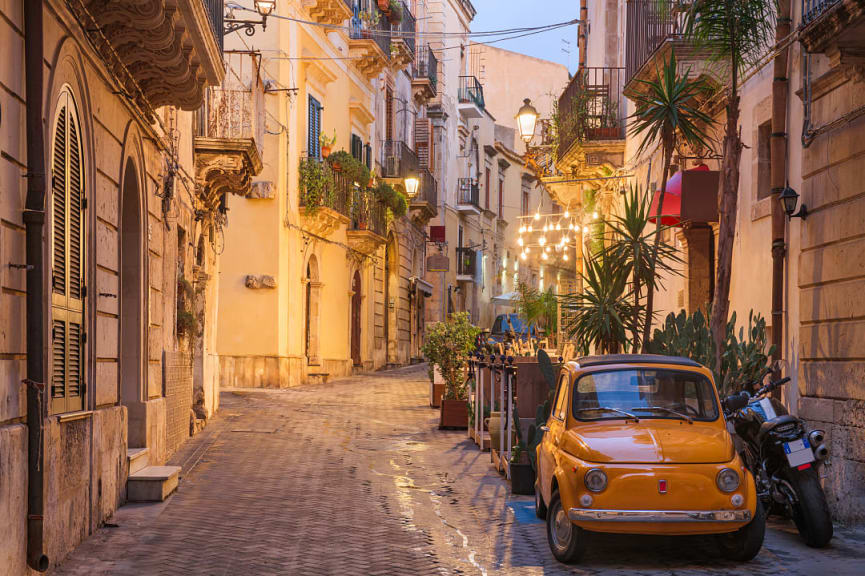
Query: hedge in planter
{"points": [[448, 345]]}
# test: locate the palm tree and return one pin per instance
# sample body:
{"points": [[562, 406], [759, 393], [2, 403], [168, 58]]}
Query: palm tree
{"points": [[632, 243], [737, 33], [667, 110], [601, 311]]}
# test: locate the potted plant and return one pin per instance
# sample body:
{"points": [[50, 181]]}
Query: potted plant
{"points": [[384, 5], [394, 12], [315, 182], [522, 473], [447, 346], [326, 143]]}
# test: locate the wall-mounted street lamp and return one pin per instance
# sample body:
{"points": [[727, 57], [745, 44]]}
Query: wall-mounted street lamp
{"points": [[527, 118], [789, 199], [264, 9], [412, 184]]}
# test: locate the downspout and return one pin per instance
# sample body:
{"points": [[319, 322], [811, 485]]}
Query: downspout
{"points": [[582, 31], [34, 220], [778, 173]]}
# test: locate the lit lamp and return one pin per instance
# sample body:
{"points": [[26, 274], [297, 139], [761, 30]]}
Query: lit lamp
{"points": [[527, 117], [264, 8], [789, 198], [412, 184]]}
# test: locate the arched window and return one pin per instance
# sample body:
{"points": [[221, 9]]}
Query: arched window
{"points": [[67, 259]]}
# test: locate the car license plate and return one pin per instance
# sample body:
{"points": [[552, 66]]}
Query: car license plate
{"points": [[798, 452]]}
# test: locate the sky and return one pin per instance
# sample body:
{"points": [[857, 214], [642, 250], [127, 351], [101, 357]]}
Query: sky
{"points": [[502, 14]]}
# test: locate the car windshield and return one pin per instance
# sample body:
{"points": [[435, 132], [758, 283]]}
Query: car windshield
{"points": [[644, 393]]}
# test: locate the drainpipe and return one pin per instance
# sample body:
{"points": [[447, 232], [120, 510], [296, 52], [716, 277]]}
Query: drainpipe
{"points": [[34, 220], [778, 173], [582, 31]]}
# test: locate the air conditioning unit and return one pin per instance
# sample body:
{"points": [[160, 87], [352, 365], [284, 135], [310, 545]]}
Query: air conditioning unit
{"points": [[391, 165]]}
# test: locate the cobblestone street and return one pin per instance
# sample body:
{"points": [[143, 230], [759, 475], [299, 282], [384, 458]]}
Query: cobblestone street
{"points": [[353, 477]]}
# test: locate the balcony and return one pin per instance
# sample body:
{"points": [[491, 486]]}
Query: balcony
{"points": [[398, 160], [324, 210], [163, 52], [424, 81], [333, 12], [835, 28], [368, 227], [471, 97], [654, 30], [467, 264], [228, 138], [425, 204], [468, 196], [592, 112], [403, 36], [369, 41]]}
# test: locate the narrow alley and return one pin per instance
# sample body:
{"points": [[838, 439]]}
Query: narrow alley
{"points": [[353, 477]]}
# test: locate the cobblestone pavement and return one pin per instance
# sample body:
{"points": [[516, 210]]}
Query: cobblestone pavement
{"points": [[353, 477]]}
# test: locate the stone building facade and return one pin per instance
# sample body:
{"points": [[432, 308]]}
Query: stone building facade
{"points": [[824, 141]]}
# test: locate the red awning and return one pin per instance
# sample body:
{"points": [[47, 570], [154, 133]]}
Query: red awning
{"points": [[671, 213]]}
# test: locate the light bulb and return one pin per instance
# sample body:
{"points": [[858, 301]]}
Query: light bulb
{"points": [[528, 250], [520, 240], [546, 227], [558, 226], [576, 227], [537, 215], [522, 229], [571, 226], [530, 229], [565, 239], [565, 257], [567, 214], [542, 240], [523, 256], [594, 215], [547, 250], [544, 255]]}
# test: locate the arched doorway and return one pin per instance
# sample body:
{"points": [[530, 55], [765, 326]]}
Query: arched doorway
{"points": [[391, 298], [313, 288], [356, 298], [131, 307]]}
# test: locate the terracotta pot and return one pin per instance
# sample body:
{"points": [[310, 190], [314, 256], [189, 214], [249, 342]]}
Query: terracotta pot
{"points": [[384, 6], [325, 151], [336, 167], [454, 414]]}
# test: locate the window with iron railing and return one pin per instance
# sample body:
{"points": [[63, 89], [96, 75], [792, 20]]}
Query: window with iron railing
{"points": [[426, 66], [471, 91], [466, 261], [468, 192], [592, 107], [370, 23], [405, 29], [650, 23], [398, 159]]}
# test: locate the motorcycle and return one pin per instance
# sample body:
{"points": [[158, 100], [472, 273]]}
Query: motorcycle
{"points": [[784, 456]]}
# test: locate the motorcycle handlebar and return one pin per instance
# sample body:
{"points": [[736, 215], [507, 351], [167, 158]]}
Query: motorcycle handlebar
{"points": [[737, 401]]}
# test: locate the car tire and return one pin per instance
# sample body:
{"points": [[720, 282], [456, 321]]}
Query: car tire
{"points": [[540, 507], [567, 541], [745, 543], [810, 513]]}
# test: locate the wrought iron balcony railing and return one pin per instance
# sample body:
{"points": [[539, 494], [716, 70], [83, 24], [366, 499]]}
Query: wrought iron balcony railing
{"points": [[338, 197], [649, 24], [813, 9], [398, 159], [405, 29], [468, 192], [592, 107], [377, 28], [428, 189], [232, 112], [426, 66], [467, 261], [367, 213], [214, 9], [471, 91]]}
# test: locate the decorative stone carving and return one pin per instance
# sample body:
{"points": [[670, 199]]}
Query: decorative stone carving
{"points": [[323, 221], [364, 241], [368, 56], [328, 11], [224, 165], [168, 46], [261, 281], [262, 190]]}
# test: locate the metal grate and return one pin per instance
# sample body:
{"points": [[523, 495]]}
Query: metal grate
{"points": [[813, 9]]}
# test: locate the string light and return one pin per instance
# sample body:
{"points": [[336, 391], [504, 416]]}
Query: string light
{"points": [[520, 240], [544, 256], [530, 229], [537, 215], [565, 256], [576, 227], [523, 256], [547, 250], [594, 215]]}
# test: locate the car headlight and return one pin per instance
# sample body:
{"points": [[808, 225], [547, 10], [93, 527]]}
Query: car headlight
{"points": [[595, 480], [727, 480]]}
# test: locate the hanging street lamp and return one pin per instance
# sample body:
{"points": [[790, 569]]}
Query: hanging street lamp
{"points": [[264, 8], [412, 185], [527, 118]]}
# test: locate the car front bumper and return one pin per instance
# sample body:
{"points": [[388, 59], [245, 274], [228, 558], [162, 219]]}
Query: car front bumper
{"points": [[672, 516]]}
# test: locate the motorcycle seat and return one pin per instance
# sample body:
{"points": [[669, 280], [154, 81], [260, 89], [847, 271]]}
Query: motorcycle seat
{"points": [[770, 425]]}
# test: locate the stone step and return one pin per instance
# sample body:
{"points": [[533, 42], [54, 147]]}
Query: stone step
{"points": [[152, 483], [137, 458]]}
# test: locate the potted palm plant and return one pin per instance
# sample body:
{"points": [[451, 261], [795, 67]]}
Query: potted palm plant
{"points": [[447, 346], [326, 143]]}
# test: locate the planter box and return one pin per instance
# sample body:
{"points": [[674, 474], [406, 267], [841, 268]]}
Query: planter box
{"points": [[531, 388], [454, 414], [436, 393], [522, 479]]}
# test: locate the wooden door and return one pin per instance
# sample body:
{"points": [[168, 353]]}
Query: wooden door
{"points": [[355, 319]]}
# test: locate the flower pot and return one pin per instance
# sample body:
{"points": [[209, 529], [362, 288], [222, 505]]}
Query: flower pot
{"points": [[522, 479], [336, 167], [325, 151], [454, 414], [394, 17], [384, 6]]}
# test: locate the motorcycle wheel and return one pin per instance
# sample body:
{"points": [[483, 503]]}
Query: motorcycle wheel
{"points": [[810, 513]]}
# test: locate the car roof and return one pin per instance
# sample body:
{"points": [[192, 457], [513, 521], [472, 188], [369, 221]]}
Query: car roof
{"points": [[587, 361]]}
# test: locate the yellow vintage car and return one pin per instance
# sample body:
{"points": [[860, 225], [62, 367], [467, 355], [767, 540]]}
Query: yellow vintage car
{"points": [[638, 444]]}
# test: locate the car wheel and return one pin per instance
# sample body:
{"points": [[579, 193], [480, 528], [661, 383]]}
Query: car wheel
{"points": [[810, 512], [745, 543], [567, 541], [540, 507]]}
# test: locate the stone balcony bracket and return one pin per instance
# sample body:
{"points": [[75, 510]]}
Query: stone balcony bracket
{"points": [[368, 56], [322, 221], [168, 46], [225, 165], [364, 241], [401, 56], [332, 12], [839, 32]]}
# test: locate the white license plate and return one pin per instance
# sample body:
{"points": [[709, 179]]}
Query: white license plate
{"points": [[798, 452]]}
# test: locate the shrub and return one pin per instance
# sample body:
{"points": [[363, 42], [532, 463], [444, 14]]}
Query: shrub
{"points": [[447, 346]]}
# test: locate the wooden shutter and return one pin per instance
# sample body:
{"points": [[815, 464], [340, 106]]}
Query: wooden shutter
{"points": [[423, 143], [367, 155], [67, 274], [357, 147], [388, 127], [314, 128]]}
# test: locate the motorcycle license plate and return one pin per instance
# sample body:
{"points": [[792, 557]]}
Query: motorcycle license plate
{"points": [[798, 452]]}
